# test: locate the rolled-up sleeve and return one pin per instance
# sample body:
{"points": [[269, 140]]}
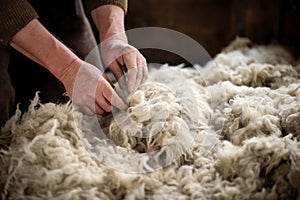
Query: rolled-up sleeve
{"points": [[90, 5], [14, 15]]}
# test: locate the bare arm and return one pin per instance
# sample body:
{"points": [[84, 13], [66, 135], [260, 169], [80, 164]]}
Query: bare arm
{"points": [[109, 20], [38, 44]]}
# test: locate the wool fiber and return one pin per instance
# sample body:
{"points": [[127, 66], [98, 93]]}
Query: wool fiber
{"points": [[226, 130]]}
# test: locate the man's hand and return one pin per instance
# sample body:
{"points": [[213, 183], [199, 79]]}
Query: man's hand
{"points": [[89, 88], [123, 60], [85, 84]]}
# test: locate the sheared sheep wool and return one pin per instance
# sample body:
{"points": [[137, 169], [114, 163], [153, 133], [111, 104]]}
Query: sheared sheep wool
{"points": [[227, 130]]}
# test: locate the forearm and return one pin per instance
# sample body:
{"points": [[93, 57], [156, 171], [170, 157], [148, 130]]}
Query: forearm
{"points": [[38, 44], [109, 20]]}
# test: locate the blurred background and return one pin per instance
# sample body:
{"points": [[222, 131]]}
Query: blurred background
{"points": [[214, 23]]}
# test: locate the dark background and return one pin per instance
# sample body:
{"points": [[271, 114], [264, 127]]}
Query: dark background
{"points": [[214, 23]]}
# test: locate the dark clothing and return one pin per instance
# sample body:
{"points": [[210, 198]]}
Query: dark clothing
{"points": [[7, 92]]}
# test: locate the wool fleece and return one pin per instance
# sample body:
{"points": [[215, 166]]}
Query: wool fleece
{"points": [[226, 130]]}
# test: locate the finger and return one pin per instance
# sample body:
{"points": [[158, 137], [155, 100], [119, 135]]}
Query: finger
{"points": [[87, 110], [131, 64], [98, 109], [117, 71], [112, 97], [108, 80], [132, 75], [139, 72], [105, 105], [141, 65], [101, 101], [145, 71]]}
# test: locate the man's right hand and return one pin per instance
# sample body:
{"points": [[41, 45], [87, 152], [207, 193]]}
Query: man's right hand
{"points": [[90, 89]]}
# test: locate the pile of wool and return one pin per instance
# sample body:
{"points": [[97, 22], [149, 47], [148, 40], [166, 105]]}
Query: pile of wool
{"points": [[261, 66], [229, 130]]}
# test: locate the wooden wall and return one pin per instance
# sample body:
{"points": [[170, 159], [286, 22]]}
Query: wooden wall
{"points": [[214, 23]]}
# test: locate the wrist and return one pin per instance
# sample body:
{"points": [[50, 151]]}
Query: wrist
{"points": [[68, 73], [109, 20]]}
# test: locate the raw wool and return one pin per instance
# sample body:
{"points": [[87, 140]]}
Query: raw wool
{"points": [[47, 159], [251, 112], [242, 69], [245, 168], [239, 43], [272, 53], [239, 142], [269, 66], [162, 116], [250, 116]]}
